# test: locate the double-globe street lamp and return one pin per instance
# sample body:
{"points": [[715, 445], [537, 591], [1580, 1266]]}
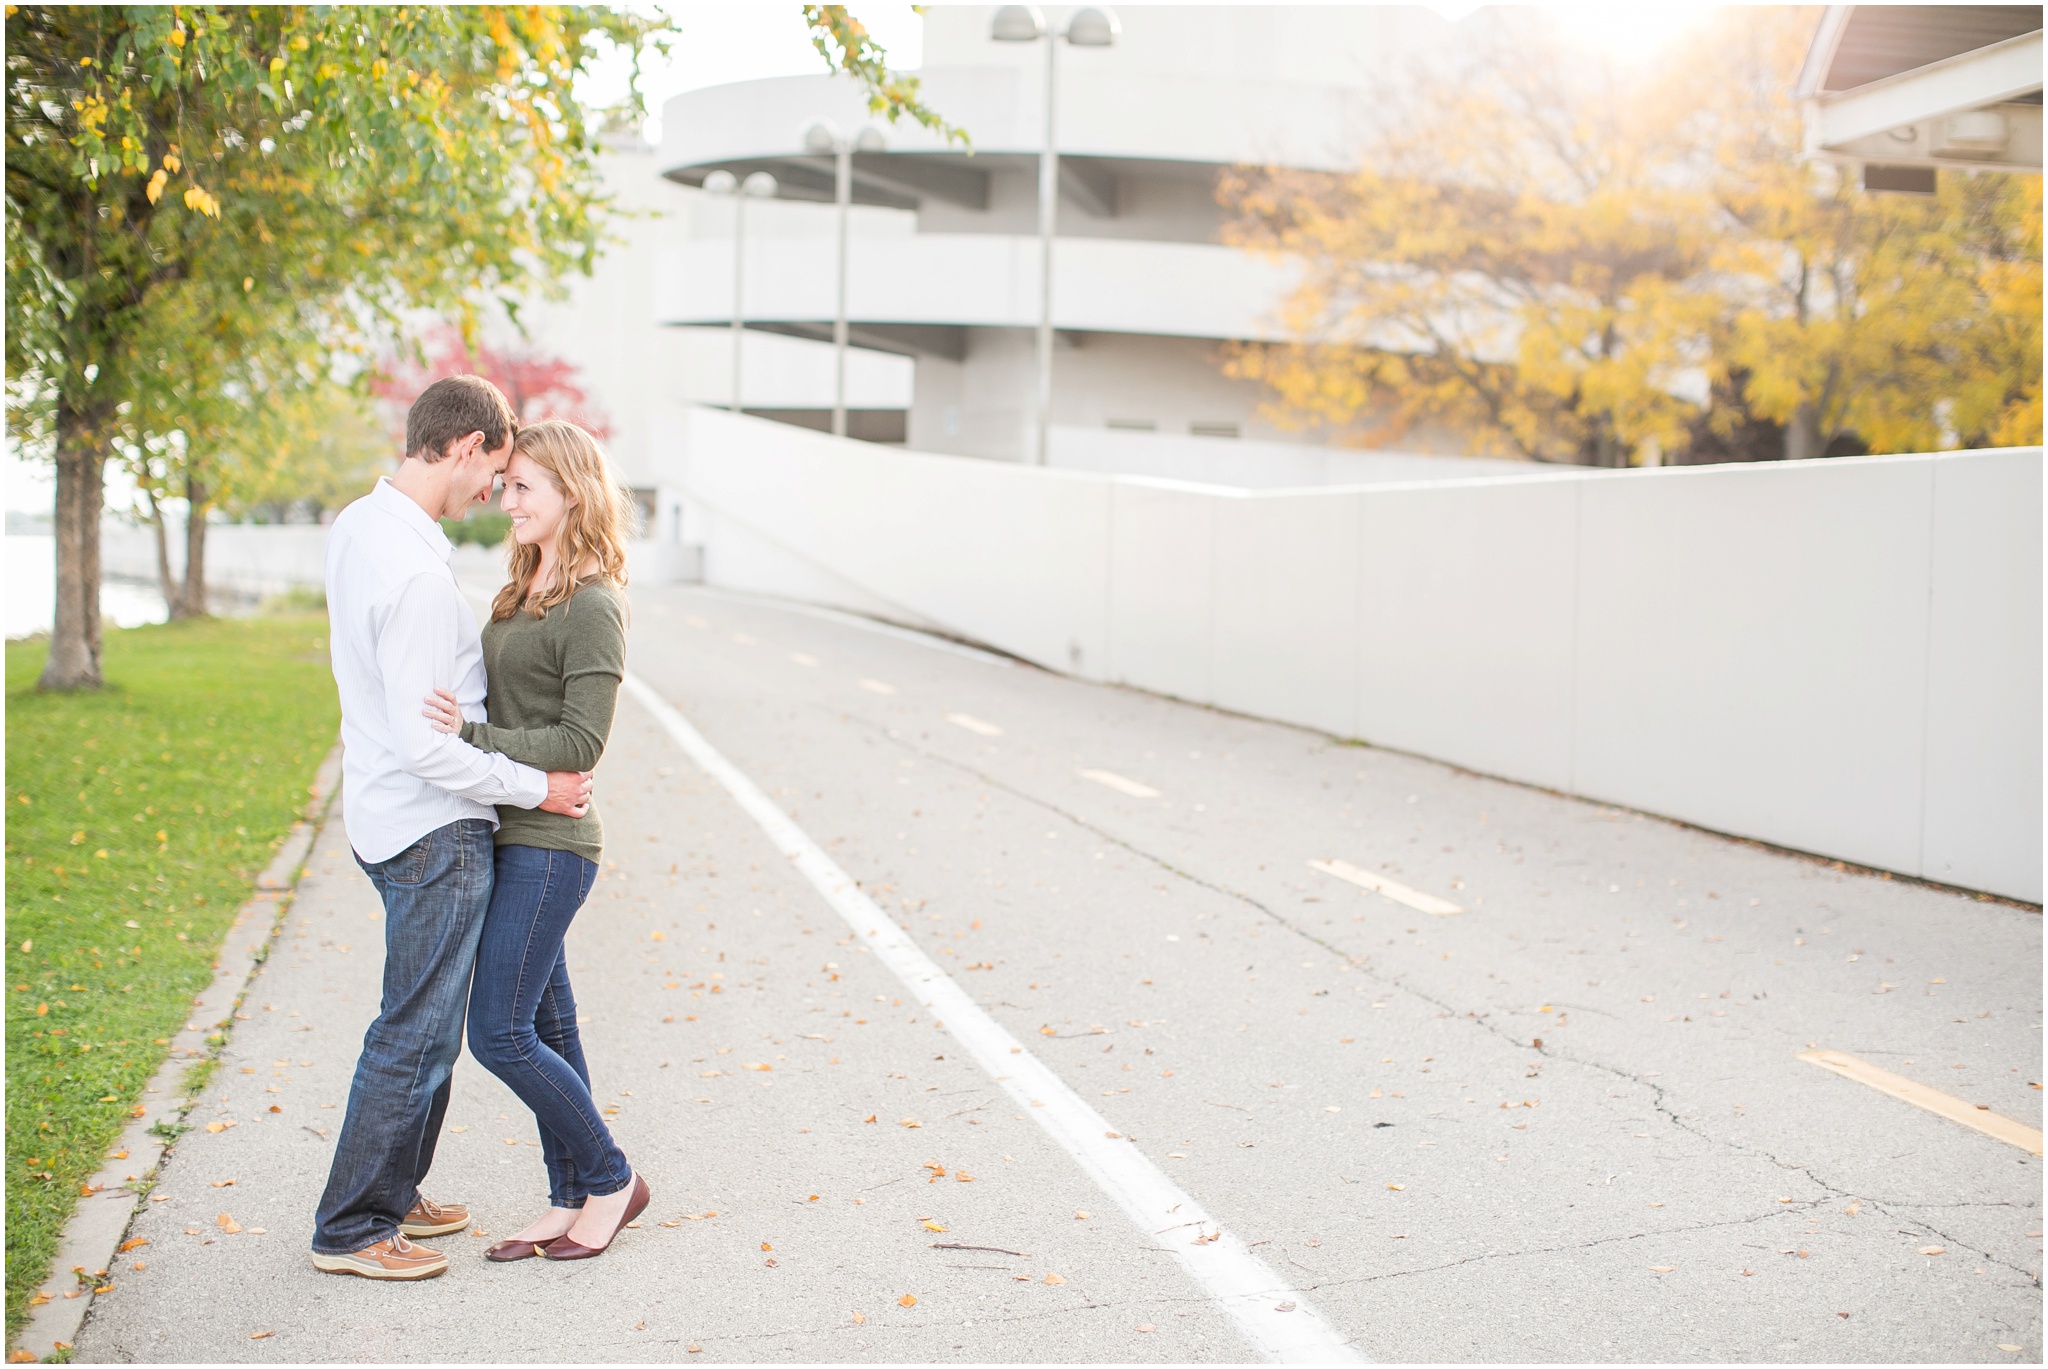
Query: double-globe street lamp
{"points": [[758, 186], [822, 137], [1088, 28]]}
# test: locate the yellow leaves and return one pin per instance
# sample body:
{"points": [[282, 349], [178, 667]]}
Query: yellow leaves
{"points": [[1054, 1279], [171, 162], [227, 1224], [200, 201], [930, 1225], [176, 36], [907, 1300], [910, 1122]]}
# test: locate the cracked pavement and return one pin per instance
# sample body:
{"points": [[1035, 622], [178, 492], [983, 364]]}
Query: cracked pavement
{"points": [[1567, 1124]]}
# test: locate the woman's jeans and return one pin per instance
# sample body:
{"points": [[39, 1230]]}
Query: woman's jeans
{"points": [[522, 1018], [435, 895]]}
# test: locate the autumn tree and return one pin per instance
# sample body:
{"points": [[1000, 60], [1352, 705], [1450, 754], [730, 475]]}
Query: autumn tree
{"points": [[1550, 255], [336, 165], [538, 383]]}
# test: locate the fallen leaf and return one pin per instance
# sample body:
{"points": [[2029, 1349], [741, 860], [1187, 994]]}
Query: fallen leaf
{"points": [[2009, 1349], [1080, 1216], [261, 1335], [228, 1224], [694, 1349], [216, 1126], [911, 1122], [1283, 1307], [1054, 1279], [1397, 1187], [677, 1222], [1662, 1268], [766, 1246], [133, 1244], [963, 1176], [1749, 1273], [458, 1128], [1144, 1326], [1934, 1250], [1843, 1315], [907, 1300], [933, 1226], [223, 1183], [869, 1118]]}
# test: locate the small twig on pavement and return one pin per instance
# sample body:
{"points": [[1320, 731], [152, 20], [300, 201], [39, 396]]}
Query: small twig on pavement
{"points": [[991, 1249]]}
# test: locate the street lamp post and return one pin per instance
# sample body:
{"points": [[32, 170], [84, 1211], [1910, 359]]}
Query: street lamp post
{"points": [[822, 136], [758, 186], [1088, 28]]}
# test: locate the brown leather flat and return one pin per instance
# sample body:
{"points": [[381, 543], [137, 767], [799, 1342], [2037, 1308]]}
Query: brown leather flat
{"points": [[505, 1251], [562, 1248]]}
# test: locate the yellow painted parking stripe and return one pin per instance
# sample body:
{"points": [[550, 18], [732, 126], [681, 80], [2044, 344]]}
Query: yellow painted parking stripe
{"points": [[1934, 1100], [1120, 784], [1393, 889]]}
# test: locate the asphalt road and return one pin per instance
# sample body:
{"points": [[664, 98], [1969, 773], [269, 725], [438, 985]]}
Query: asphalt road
{"points": [[1350, 1086]]}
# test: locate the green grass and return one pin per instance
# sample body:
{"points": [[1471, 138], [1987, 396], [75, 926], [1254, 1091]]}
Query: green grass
{"points": [[138, 818]]}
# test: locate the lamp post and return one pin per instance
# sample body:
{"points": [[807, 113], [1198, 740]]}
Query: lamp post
{"points": [[758, 186], [822, 137], [1088, 28]]}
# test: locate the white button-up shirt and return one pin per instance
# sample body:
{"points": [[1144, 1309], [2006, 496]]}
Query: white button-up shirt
{"points": [[399, 628]]}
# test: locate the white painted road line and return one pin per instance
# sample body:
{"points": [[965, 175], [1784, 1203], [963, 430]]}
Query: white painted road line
{"points": [[877, 687], [1393, 889], [1120, 784], [974, 724], [1934, 1100], [1247, 1289]]}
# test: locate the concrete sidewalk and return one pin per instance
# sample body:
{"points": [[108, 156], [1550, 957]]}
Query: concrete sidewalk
{"points": [[1568, 1124], [819, 1230]]}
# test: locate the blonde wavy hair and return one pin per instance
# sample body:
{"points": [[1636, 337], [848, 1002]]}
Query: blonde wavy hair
{"points": [[595, 528]]}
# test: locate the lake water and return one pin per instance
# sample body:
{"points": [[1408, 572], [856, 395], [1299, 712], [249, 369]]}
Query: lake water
{"points": [[32, 590]]}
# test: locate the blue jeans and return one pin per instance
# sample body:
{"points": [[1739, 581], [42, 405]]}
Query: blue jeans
{"points": [[522, 1018], [435, 893]]}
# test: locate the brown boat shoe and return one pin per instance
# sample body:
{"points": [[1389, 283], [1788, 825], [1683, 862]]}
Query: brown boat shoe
{"points": [[396, 1258], [429, 1218]]}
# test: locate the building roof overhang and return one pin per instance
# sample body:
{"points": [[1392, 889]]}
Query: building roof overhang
{"points": [[1925, 86]]}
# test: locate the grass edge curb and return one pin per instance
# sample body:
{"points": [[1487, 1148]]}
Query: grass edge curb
{"points": [[110, 1199]]}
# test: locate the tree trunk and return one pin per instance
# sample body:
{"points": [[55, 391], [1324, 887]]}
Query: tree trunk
{"points": [[1802, 434], [75, 629], [195, 605], [163, 551]]}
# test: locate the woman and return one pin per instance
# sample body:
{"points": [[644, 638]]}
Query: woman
{"points": [[554, 652]]}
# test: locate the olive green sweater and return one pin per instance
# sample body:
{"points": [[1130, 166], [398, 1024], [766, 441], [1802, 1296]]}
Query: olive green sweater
{"points": [[554, 683]]}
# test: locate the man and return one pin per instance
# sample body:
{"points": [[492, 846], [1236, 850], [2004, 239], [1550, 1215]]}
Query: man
{"points": [[419, 809]]}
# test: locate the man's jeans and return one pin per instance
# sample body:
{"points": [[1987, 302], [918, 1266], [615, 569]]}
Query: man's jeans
{"points": [[435, 894]]}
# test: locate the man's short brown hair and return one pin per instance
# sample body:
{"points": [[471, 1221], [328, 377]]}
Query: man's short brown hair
{"points": [[451, 409]]}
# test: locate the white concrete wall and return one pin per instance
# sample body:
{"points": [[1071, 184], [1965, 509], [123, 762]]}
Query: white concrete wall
{"points": [[245, 558], [1841, 656], [1257, 465]]}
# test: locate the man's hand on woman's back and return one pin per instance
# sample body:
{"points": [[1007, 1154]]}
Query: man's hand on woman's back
{"points": [[568, 793]]}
